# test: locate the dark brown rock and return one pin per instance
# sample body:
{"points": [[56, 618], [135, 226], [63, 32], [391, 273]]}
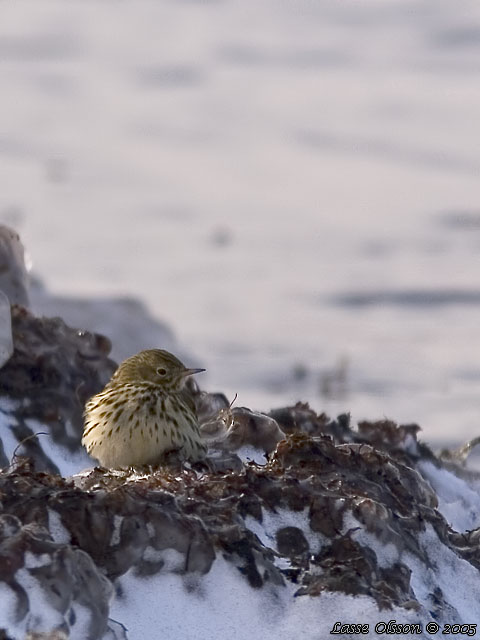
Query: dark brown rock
{"points": [[52, 372], [291, 541]]}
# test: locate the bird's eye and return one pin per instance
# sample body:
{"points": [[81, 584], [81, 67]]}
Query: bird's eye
{"points": [[161, 371]]}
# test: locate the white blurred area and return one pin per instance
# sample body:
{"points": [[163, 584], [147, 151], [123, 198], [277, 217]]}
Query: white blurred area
{"points": [[293, 187]]}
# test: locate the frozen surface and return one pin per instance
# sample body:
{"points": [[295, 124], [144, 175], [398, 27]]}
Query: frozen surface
{"points": [[293, 187]]}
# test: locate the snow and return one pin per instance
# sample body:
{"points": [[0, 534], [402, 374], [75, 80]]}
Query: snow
{"points": [[58, 532], [8, 605], [8, 404], [248, 453], [165, 603], [457, 579], [222, 604], [9, 441], [225, 606], [272, 521], [458, 500], [387, 554], [42, 616], [68, 462], [172, 559]]}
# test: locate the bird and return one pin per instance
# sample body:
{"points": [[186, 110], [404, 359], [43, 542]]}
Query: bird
{"points": [[144, 412]]}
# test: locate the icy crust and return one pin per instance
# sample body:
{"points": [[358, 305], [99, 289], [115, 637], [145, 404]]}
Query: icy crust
{"points": [[323, 531]]}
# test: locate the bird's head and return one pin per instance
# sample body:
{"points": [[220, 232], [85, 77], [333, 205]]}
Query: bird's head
{"points": [[155, 366]]}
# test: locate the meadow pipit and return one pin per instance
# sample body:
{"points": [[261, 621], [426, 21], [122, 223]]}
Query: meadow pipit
{"points": [[143, 412]]}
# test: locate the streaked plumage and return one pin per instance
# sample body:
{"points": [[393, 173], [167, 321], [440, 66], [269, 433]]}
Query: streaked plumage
{"points": [[143, 412]]}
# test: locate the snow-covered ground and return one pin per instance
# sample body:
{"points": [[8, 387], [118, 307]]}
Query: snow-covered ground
{"points": [[221, 604], [293, 187], [237, 611]]}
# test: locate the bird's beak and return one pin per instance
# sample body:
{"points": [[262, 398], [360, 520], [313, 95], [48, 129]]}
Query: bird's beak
{"points": [[190, 372]]}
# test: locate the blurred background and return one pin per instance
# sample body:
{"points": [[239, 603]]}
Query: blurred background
{"points": [[291, 187]]}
